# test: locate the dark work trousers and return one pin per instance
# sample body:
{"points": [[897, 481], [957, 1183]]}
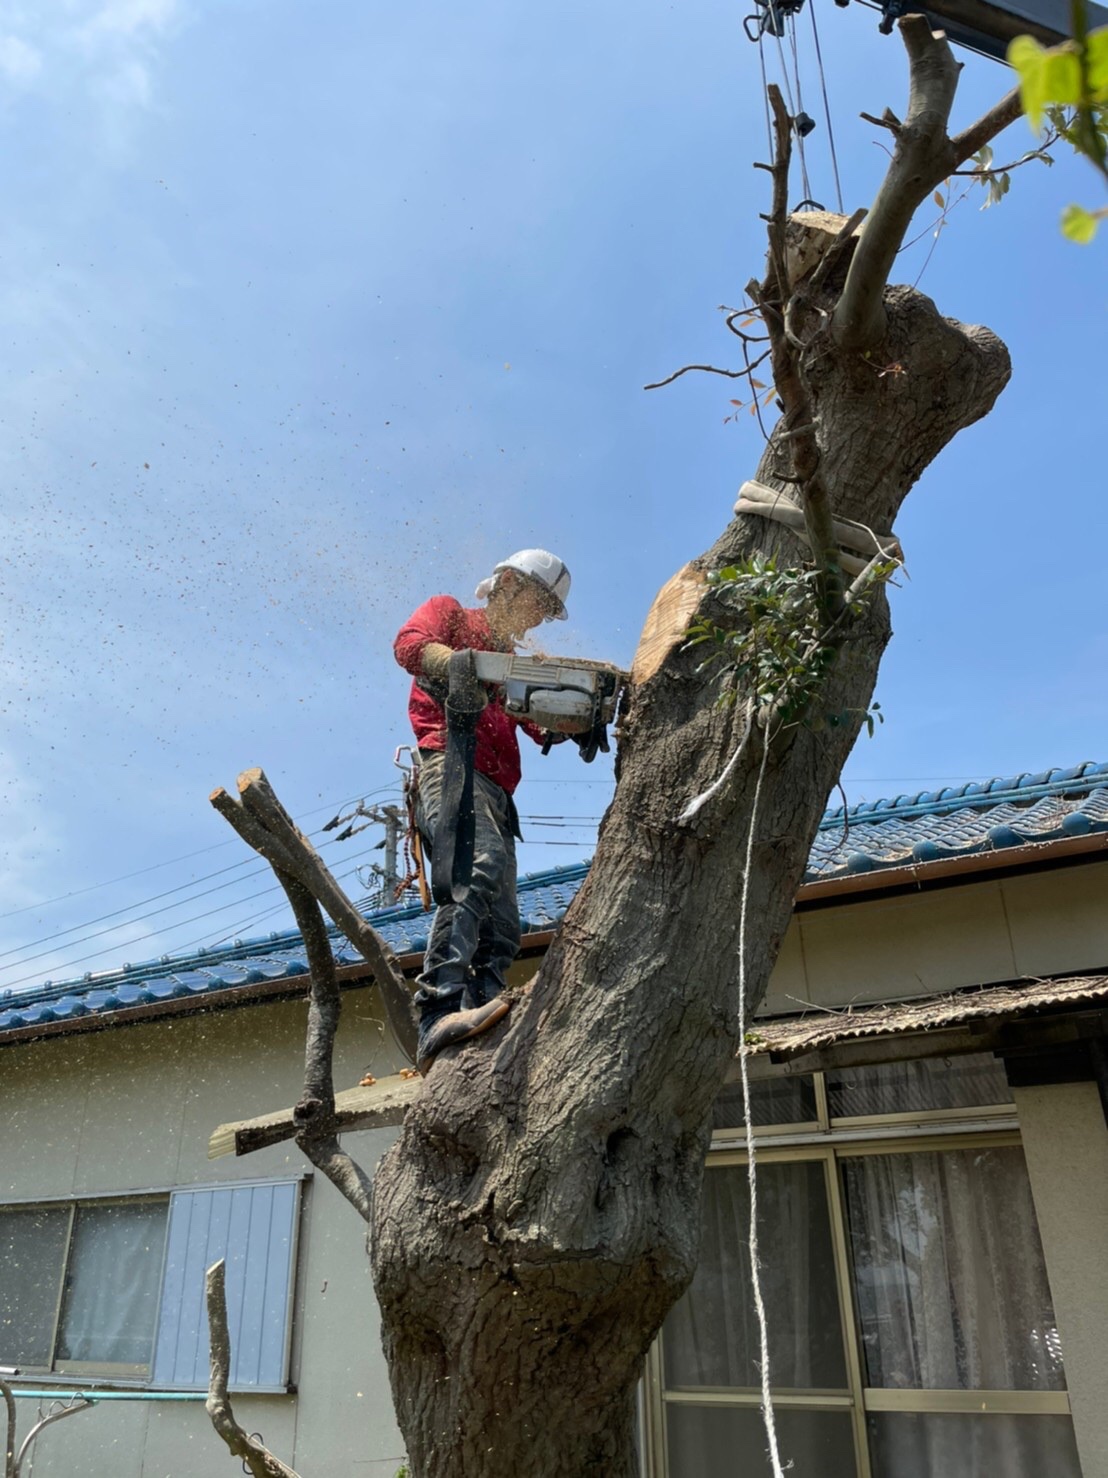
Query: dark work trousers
{"points": [[473, 943]]}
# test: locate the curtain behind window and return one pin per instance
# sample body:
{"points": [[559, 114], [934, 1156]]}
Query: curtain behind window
{"points": [[952, 1294], [111, 1289], [949, 1273], [711, 1335]]}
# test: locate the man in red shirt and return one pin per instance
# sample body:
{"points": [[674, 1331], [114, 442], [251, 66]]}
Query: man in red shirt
{"points": [[473, 942]]}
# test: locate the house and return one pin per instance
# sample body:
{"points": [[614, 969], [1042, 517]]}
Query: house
{"points": [[930, 1095]]}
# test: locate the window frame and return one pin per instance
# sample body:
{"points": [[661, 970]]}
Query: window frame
{"points": [[830, 1142], [106, 1374], [827, 1126]]}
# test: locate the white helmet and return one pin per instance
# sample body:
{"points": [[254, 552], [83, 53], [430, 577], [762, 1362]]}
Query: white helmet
{"points": [[547, 569]]}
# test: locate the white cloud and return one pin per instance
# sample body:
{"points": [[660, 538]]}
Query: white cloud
{"points": [[19, 62], [128, 85], [130, 17], [111, 48]]}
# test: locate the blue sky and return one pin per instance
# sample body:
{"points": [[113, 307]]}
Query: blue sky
{"points": [[308, 313]]}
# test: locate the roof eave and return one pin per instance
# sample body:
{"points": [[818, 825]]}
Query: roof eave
{"points": [[902, 877]]}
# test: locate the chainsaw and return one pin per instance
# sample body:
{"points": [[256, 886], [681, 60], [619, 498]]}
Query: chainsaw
{"points": [[561, 695], [575, 698]]}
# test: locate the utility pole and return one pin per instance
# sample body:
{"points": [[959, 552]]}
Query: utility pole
{"points": [[389, 818]]}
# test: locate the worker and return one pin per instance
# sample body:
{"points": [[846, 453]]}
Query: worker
{"points": [[473, 942]]}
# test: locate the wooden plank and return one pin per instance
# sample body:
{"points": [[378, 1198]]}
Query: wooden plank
{"points": [[376, 1107]]}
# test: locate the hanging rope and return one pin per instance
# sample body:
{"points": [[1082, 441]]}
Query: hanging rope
{"points": [[801, 122], [768, 1419], [778, 29], [772, 16], [765, 96], [827, 110]]}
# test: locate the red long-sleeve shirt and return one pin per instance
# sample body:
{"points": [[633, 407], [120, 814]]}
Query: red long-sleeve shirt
{"points": [[444, 621]]}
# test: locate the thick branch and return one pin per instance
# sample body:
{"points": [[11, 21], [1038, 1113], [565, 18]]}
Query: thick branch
{"points": [[965, 145], [264, 824], [924, 156], [256, 1458], [779, 206], [314, 1115], [920, 160]]}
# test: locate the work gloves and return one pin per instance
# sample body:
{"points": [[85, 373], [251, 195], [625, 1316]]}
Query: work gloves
{"points": [[589, 743], [467, 694]]}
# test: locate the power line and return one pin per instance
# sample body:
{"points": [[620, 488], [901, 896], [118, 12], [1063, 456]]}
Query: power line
{"points": [[154, 898], [171, 861], [266, 913], [180, 924]]}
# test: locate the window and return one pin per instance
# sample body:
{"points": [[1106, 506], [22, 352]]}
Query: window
{"points": [[911, 1328], [115, 1287], [774, 1102], [926, 1085]]}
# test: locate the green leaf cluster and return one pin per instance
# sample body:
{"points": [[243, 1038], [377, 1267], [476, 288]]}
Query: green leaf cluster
{"points": [[775, 651], [1068, 85]]}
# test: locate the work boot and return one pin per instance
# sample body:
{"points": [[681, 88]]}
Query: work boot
{"points": [[481, 989], [456, 1026]]}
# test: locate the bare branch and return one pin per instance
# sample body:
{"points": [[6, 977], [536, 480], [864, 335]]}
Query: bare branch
{"points": [[708, 369], [844, 241], [779, 208], [923, 157], [264, 824], [314, 1115], [788, 376], [740, 333], [887, 120], [256, 1458]]}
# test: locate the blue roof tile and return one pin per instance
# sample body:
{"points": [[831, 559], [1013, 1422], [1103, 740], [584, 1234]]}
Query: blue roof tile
{"points": [[984, 816]]}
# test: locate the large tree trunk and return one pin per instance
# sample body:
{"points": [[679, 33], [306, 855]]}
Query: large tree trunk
{"points": [[540, 1212]]}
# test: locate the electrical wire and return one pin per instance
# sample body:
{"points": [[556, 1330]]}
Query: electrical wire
{"points": [[157, 897], [180, 924], [126, 917], [777, 29], [232, 934], [45, 903]]}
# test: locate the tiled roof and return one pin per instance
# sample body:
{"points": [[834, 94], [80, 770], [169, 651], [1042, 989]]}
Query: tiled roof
{"points": [[543, 899], [926, 827], [985, 816]]}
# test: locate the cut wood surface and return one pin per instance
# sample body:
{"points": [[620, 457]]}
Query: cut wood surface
{"points": [[375, 1107], [667, 621]]}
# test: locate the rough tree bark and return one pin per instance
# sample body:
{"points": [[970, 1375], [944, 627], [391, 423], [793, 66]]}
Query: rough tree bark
{"points": [[540, 1212]]}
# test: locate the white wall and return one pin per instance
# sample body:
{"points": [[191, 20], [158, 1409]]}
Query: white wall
{"points": [[132, 1109], [1065, 1140], [942, 939]]}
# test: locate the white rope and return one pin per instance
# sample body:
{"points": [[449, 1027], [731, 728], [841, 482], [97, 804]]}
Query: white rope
{"points": [[706, 795], [768, 1418], [858, 544]]}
